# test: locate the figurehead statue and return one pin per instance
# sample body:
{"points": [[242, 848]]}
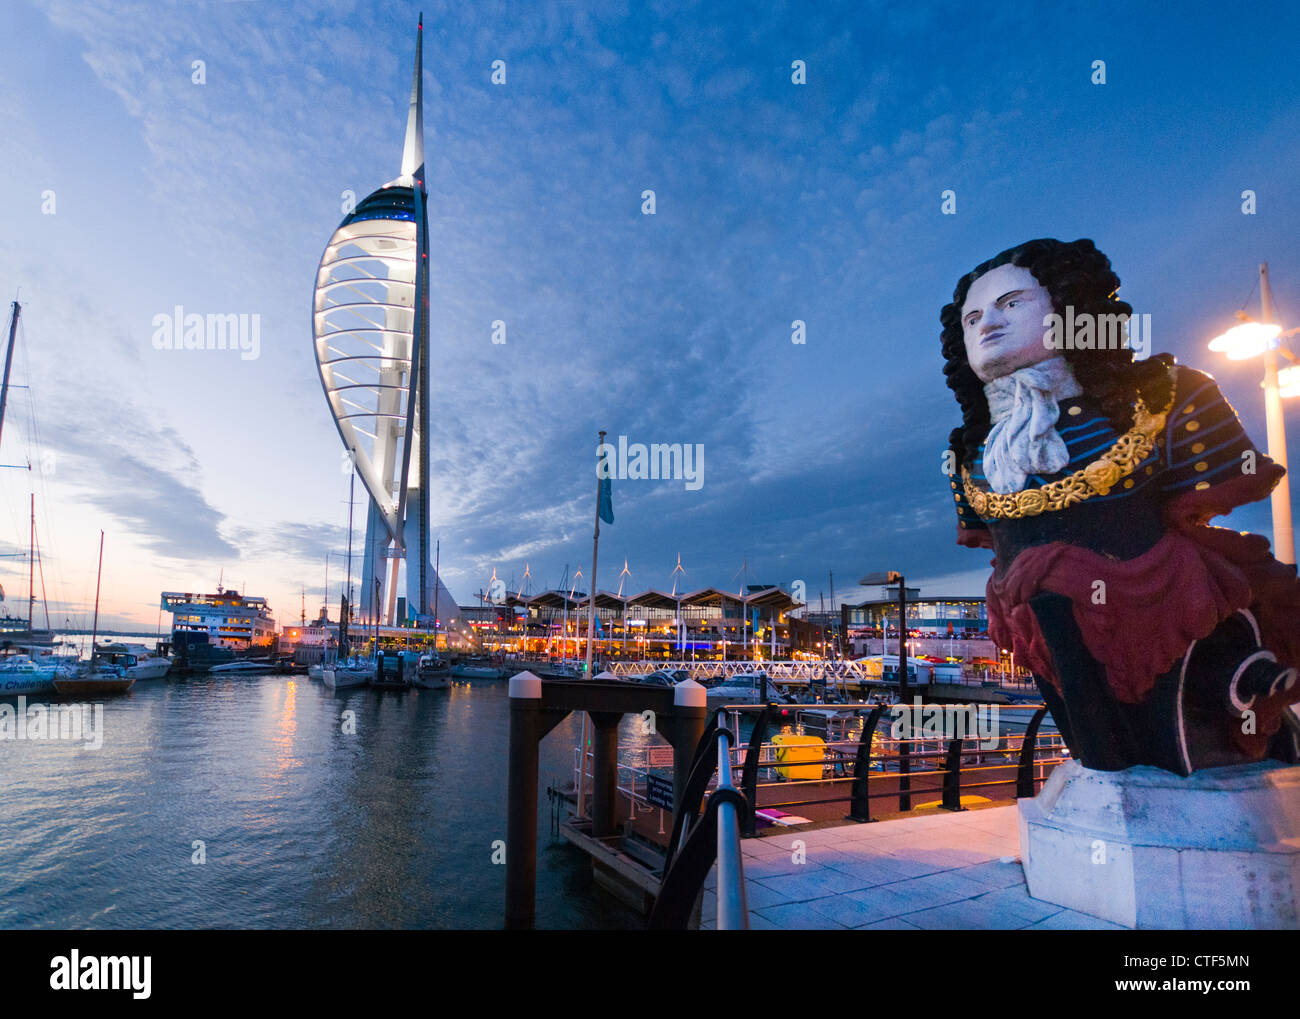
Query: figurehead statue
{"points": [[1092, 474]]}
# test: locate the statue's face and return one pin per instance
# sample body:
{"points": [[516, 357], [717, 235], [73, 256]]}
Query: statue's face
{"points": [[1003, 322]]}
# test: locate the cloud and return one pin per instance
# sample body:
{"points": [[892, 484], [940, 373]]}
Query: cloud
{"points": [[147, 480]]}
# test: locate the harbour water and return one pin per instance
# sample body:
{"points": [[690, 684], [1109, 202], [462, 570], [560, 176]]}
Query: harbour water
{"points": [[302, 824]]}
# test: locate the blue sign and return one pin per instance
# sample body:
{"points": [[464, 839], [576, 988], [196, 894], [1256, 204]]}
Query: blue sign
{"points": [[659, 791]]}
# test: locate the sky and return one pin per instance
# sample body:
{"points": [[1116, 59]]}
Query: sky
{"points": [[775, 202]]}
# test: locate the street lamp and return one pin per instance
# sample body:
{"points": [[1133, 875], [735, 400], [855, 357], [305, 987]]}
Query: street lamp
{"points": [[904, 748], [1251, 339]]}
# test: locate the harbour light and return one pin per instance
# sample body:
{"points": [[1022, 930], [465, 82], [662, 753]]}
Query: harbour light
{"points": [[1249, 339]]}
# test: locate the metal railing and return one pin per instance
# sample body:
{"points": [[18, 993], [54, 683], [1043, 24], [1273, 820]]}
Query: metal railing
{"points": [[801, 672], [857, 768], [778, 672], [733, 914]]}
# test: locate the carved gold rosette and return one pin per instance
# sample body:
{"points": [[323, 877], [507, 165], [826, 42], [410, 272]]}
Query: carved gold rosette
{"points": [[1098, 478]]}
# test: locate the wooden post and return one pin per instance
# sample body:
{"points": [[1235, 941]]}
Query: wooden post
{"points": [[521, 801]]}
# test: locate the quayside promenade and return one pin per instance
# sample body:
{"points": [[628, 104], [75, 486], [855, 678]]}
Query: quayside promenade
{"points": [[947, 871]]}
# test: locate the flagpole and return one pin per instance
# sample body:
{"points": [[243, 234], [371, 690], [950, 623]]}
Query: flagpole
{"points": [[586, 718], [595, 546]]}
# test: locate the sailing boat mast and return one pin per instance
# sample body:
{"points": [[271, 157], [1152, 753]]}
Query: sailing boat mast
{"points": [[31, 571], [352, 485], [9, 361], [437, 581], [94, 629]]}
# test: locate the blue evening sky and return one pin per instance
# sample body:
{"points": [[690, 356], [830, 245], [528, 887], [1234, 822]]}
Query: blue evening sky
{"points": [[775, 202]]}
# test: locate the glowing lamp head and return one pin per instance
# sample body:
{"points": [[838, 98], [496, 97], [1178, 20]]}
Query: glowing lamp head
{"points": [[1288, 381], [1250, 339]]}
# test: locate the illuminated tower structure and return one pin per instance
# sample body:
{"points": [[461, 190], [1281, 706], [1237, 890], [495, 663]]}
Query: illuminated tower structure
{"points": [[370, 324]]}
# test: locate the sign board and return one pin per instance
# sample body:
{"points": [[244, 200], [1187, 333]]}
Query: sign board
{"points": [[659, 791], [661, 757]]}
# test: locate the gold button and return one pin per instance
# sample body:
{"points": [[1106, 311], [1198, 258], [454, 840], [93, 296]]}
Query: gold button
{"points": [[1128, 483], [1201, 486], [1191, 426], [1202, 465], [1198, 447], [1189, 410], [1149, 470], [1075, 411], [963, 523], [957, 497]]}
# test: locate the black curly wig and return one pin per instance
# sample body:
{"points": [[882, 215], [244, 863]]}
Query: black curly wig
{"points": [[1076, 274]]}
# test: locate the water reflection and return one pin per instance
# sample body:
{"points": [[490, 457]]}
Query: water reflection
{"points": [[298, 821]]}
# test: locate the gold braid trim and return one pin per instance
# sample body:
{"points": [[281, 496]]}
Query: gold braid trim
{"points": [[1098, 478]]}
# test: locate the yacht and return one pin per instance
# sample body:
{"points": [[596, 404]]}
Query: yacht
{"points": [[432, 673], [744, 688], [20, 675], [136, 660], [243, 665], [476, 668], [353, 672], [92, 679]]}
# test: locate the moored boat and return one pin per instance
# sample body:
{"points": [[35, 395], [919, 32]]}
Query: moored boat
{"points": [[135, 659], [743, 688], [477, 668], [341, 675], [20, 675], [92, 680], [432, 673], [243, 665]]}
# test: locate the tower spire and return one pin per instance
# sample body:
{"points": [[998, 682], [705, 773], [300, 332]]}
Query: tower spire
{"points": [[413, 148]]}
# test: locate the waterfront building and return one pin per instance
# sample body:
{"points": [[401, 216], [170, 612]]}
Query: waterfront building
{"points": [[705, 625], [932, 616], [314, 633]]}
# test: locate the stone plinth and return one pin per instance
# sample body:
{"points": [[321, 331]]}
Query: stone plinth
{"points": [[1146, 848]]}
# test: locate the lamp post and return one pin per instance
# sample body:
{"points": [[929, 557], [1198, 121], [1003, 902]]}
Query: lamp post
{"points": [[1251, 339], [904, 748]]}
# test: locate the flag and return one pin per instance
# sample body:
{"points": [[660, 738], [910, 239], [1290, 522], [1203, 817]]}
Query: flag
{"points": [[606, 505]]}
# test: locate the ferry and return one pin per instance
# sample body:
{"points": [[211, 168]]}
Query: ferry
{"points": [[213, 629], [228, 618]]}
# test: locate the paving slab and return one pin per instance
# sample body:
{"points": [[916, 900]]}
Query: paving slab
{"points": [[958, 871]]}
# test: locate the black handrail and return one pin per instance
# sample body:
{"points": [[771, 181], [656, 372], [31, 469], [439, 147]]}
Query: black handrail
{"points": [[952, 779], [1025, 772], [860, 799], [697, 782], [749, 774], [686, 870]]}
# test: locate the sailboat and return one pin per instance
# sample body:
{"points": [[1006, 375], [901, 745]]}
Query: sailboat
{"points": [[345, 670], [16, 632], [95, 678]]}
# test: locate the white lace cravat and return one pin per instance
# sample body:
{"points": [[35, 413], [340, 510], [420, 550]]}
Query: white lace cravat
{"points": [[1023, 439]]}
